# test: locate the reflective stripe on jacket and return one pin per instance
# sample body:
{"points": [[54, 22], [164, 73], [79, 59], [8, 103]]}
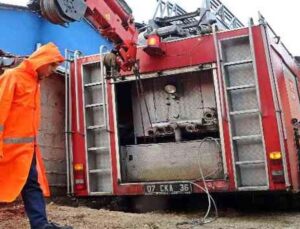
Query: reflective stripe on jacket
{"points": [[19, 122]]}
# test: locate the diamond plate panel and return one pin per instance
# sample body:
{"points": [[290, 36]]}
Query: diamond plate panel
{"points": [[91, 73], [237, 75], [252, 175], [195, 92], [236, 49], [240, 100], [249, 150], [245, 124]]}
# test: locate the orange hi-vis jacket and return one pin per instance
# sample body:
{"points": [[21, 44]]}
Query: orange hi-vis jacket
{"points": [[19, 122]]}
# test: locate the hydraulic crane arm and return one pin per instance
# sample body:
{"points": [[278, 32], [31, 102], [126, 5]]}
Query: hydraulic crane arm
{"points": [[112, 18]]}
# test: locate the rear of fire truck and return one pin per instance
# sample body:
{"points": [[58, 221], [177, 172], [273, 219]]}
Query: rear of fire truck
{"points": [[202, 107]]}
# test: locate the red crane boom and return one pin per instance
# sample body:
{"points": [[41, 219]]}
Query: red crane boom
{"points": [[112, 18]]}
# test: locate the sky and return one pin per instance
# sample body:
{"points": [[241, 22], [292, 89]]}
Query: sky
{"points": [[281, 15]]}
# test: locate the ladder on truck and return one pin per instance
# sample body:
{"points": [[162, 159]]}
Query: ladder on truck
{"points": [[99, 177], [223, 15], [226, 19], [237, 63]]}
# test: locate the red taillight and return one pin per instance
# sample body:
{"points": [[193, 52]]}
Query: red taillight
{"points": [[278, 176], [79, 180], [79, 184], [277, 172]]}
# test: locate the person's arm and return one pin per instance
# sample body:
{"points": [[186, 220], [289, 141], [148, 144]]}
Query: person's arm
{"points": [[7, 88]]}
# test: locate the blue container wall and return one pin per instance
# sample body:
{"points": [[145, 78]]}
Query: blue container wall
{"points": [[21, 30], [77, 36]]}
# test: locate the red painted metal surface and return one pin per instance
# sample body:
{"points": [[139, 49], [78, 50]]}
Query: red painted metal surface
{"points": [[78, 139], [269, 121], [179, 53], [279, 76], [290, 104]]}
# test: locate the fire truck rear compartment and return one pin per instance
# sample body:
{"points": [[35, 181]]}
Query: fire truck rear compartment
{"points": [[168, 128]]}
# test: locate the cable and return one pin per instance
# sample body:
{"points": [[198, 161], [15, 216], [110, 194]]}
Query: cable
{"points": [[210, 199], [138, 76], [140, 95], [198, 158], [140, 105]]}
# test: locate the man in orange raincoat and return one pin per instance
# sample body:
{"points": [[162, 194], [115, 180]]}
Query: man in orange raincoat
{"points": [[21, 167]]}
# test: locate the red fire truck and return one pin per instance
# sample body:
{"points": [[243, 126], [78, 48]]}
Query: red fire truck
{"points": [[202, 100]]}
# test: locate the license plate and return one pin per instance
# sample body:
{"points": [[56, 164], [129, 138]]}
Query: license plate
{"points": [[168, 188]]}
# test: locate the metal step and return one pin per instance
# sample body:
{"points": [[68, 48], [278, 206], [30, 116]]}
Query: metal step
{"points": [[237, 63], [253, 188], [249, 137], [247, 86], [250, 162], [98, 149], [100, 193], [94, 105], [95, 127], [244, 112], [93, 84], [100, 171]]}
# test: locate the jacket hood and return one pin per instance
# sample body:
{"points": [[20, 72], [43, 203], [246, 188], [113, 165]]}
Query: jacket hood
{"points": [[46, 54]]}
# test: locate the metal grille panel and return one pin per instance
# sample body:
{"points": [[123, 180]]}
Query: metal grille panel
{"points": [[244, 115], [249, 150], [252, 175], [236, 49], [246, 124], [245, 99], [238, 75]]}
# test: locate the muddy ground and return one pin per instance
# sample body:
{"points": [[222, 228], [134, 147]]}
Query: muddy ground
{"points": [[12, 216]]}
